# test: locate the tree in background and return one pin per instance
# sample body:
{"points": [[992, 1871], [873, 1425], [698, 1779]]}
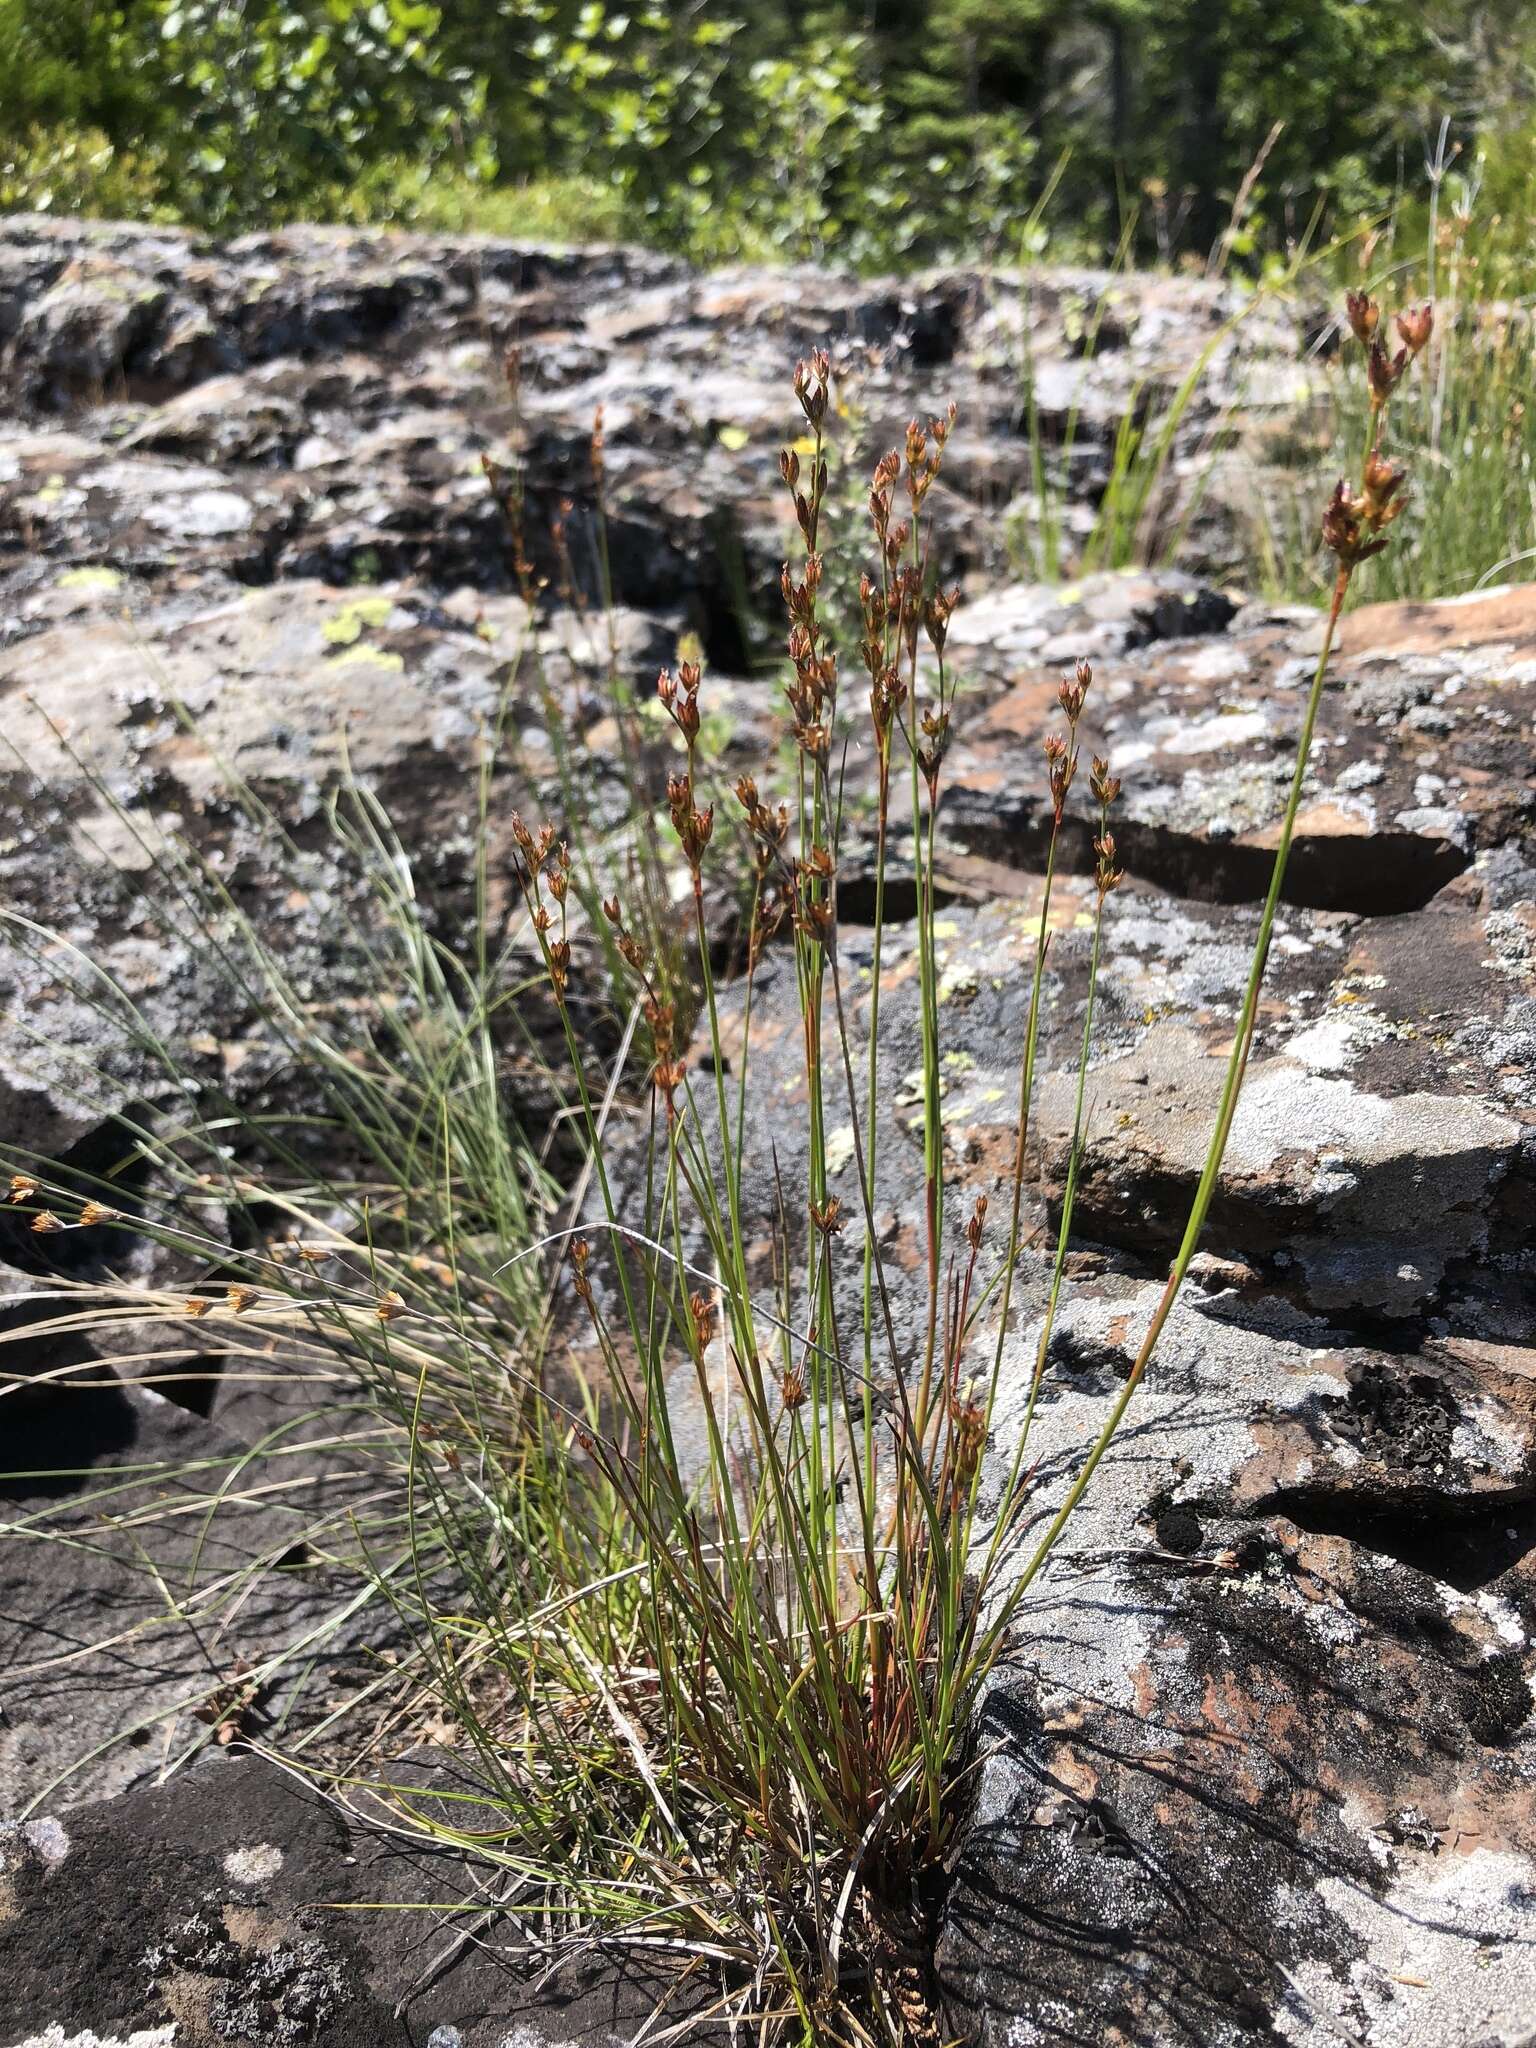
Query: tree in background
{"points": [[866, 132]]}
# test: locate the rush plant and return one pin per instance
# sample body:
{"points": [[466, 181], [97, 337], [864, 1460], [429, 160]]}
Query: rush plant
{"points": [[714, 1605]]}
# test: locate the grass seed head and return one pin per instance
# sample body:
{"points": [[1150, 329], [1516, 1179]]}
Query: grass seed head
{"points": [[1364, 316], [1107, 875], [1105, 787], [812, 379], [1414, 325], [1384, 372], [937, 614], [1074, 691]]}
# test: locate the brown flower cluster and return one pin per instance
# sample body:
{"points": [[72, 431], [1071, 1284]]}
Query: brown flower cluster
{"points": [[1106, 788], [1355, 521], [1061, 749], [694, 827], [544, 872]]}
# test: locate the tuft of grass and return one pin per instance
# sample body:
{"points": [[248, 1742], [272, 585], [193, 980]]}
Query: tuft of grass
{"points": [[1153, 482], [567, 212], [704, 1560], [1471, 520]]}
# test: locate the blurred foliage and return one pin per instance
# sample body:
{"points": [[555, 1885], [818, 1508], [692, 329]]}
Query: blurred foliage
{"points": [[886, 132]]}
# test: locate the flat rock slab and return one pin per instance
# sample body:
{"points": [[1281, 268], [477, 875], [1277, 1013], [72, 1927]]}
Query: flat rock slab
{"points": [[212, 1912], [1380, 1165], [1422, 756]]}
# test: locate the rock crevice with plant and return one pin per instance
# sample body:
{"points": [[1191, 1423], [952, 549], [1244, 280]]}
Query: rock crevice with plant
{"points": [[925, 1437]]}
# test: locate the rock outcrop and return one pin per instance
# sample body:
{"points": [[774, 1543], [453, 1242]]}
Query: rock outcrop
{"points": [[1261, 1765]]}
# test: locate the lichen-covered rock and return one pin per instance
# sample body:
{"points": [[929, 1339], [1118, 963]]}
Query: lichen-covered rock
{"points": [[1260, 1765], [1422, 755], [204, 1914], [1262, 1768]]}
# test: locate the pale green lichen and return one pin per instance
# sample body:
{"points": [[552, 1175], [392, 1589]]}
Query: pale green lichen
{"points": [[349, 620], [90, 579], [839, 1148], [364, 656]]}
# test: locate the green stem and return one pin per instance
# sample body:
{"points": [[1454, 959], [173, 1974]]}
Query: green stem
{"points": [[1026, 1092], [1237, 1066], [1069, 1193]]}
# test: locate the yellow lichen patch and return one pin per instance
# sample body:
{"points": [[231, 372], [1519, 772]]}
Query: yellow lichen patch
{"points": [[958, 982], [347, 624], [369, 657], [90, 579]]}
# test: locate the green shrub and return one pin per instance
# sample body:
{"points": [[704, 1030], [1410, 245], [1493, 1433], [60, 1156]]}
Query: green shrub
{"points": [[65, 169]]}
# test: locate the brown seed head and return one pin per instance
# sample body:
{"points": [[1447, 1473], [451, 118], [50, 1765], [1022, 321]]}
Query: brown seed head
{"points": [[1364, 316], [937, 614], [1074, 690], [1381, 485], [1107, 874], [389, 1306], [669, 1076], [44, 1223], [23, 1187], [1414, 326], [1384, 372], [1106, 787], [702, 1311], [811, 380]]}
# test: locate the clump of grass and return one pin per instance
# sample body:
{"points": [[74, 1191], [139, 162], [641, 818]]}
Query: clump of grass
{"points": [[1156, 469], [718, 1690], [1472, 521], [789, 1632]]}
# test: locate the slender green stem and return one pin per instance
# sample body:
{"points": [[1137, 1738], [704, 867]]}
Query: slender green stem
{"points": [[1026, 1096], [1231, 1090]]}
